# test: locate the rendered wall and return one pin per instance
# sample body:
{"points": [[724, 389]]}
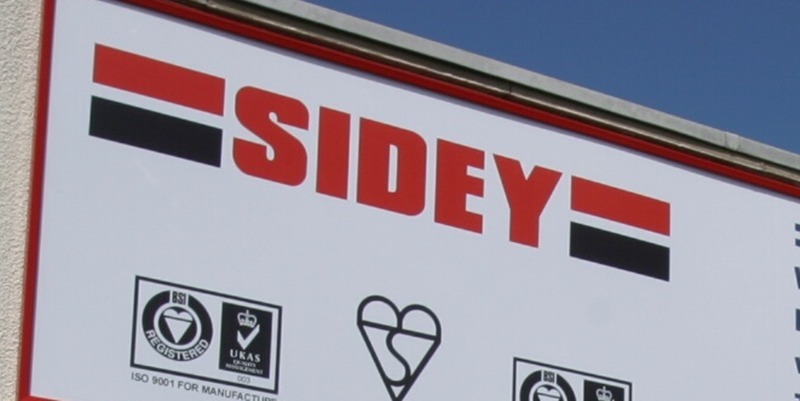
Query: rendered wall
{"points": [[19, 52]]}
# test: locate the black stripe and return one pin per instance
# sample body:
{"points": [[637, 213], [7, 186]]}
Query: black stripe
{"points": [[796, 240], [610, 249], [154, 131], [797, 319]]}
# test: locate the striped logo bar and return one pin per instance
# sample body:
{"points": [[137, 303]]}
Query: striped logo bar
{"points": [[150, 130], [612, 249]]}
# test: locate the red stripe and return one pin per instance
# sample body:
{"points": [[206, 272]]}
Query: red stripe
{"points": [[157, 79], [619, 205]]}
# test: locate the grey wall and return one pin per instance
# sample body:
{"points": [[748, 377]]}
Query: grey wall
{"points": [[20, 22]]}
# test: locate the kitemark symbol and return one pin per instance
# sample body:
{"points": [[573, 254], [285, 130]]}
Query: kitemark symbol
{"points": [[400, 342], [178, 323]]}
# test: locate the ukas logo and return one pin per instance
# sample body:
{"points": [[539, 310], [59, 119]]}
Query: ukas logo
{"points": [[246, 340], [400, 342], [599, 391]]}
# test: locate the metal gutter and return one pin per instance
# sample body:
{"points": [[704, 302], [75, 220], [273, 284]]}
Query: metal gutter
{"points": [[375, 42]]}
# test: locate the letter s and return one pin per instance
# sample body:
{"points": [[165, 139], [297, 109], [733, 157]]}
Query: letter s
{"points": [[254, 108]]}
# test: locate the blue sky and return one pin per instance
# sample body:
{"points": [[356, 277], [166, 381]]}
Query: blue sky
{"points": [[733, 64]]}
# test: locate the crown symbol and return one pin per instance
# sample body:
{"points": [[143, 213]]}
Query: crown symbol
{"points": [[247, 319], [603, 394]]}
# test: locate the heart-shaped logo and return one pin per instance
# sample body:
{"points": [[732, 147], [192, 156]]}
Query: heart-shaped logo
{"points": [[548, 393], [400, 342], [178, 323]]}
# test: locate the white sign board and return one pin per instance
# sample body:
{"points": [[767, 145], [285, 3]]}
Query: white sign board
{"points": [[240, 218]]}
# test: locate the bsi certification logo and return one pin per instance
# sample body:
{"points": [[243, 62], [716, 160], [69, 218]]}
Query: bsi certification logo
{"points": [[205, 335], [177, 325], [536, 381]]}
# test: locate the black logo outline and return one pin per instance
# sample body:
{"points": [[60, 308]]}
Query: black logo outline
{"points": [[522, 363], [134, 326], [410, 373]]}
